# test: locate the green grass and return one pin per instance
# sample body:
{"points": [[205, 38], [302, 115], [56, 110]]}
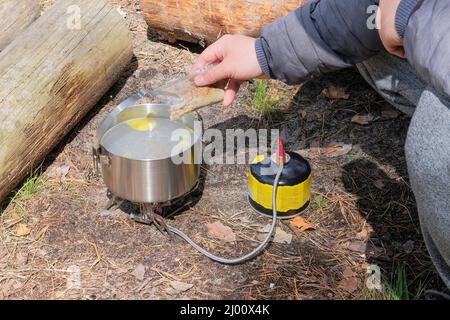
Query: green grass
{"points": [[31, 185], [320, 203], [264, 101], [399, 287]]}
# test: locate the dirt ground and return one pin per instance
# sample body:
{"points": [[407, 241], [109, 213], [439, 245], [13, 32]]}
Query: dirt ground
{"points": [[362, 207]]}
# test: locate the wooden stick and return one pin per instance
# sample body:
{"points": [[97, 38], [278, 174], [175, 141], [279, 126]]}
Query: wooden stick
{"points": [[197, 98]]}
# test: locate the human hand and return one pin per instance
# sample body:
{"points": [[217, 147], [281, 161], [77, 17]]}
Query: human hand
{"points": [[390, 38], [231, 57]]}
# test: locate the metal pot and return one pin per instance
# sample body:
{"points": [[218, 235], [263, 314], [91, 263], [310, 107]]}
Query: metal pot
{"points": [[150, 180]]}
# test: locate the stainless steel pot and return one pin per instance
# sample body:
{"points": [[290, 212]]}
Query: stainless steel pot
{"points": [[149, 180]]}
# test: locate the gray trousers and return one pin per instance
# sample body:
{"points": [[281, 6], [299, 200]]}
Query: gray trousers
{"points": [[427, 148]]}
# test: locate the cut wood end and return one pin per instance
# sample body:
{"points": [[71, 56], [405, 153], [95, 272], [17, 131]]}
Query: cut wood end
{"points": [[199, 97]]}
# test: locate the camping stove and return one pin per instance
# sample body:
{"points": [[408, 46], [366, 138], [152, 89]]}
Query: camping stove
{"points": [[154, 213], [141, 163]]}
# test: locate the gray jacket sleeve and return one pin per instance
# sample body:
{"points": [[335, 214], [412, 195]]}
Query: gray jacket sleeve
{"points": [[325, 35], [426, 28], [321, 36]]}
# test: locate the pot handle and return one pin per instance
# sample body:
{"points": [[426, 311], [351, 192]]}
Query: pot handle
{"points": [[96, 160]]}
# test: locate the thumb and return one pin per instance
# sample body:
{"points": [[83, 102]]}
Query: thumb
{"points": [[212, 75]]}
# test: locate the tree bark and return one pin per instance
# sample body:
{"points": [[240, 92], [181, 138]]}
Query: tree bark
{"points": [[204, 21], [15, 17], [51, 75]]}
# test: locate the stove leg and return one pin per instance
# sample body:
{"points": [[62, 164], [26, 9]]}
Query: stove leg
{"points": [[149, 216], [114, 202]]}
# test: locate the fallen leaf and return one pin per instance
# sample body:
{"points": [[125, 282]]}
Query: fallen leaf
{"points": [[337, 150], [23, 230], [333, 151], [139, 272], [181, 286], [280, 235], [408, 246], [221, 232], [348, 273], [363, 119], [358, 246], [301, 223], [362, 235], [379, 184], [389, 114], [349, 285], [334, 92]]}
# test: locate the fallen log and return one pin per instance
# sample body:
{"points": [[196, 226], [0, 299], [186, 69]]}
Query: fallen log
{"points": [[51, 75], [15, 17], [204, 21]]}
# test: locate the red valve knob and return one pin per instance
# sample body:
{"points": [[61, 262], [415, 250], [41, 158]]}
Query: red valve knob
{"points": [[281, 154]]}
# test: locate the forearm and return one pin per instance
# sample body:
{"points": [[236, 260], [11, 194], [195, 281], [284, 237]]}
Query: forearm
{"points": [[322, 36]]}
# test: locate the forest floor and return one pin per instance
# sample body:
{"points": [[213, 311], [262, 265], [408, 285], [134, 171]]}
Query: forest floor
{"points": [[57, 242]]}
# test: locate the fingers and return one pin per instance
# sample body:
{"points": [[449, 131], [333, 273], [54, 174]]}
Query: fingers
{"points": [[212, 54], [212, 75], [231, 91], [199, 64]]}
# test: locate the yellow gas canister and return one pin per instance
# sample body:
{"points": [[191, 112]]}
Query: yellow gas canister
{"points": [[294, 186]]}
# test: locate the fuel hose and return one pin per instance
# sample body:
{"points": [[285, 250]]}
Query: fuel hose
{"points": [[255, 251]]}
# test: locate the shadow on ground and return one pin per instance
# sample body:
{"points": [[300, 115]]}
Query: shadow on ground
{"points": [[378, 179], [374, 174]]}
